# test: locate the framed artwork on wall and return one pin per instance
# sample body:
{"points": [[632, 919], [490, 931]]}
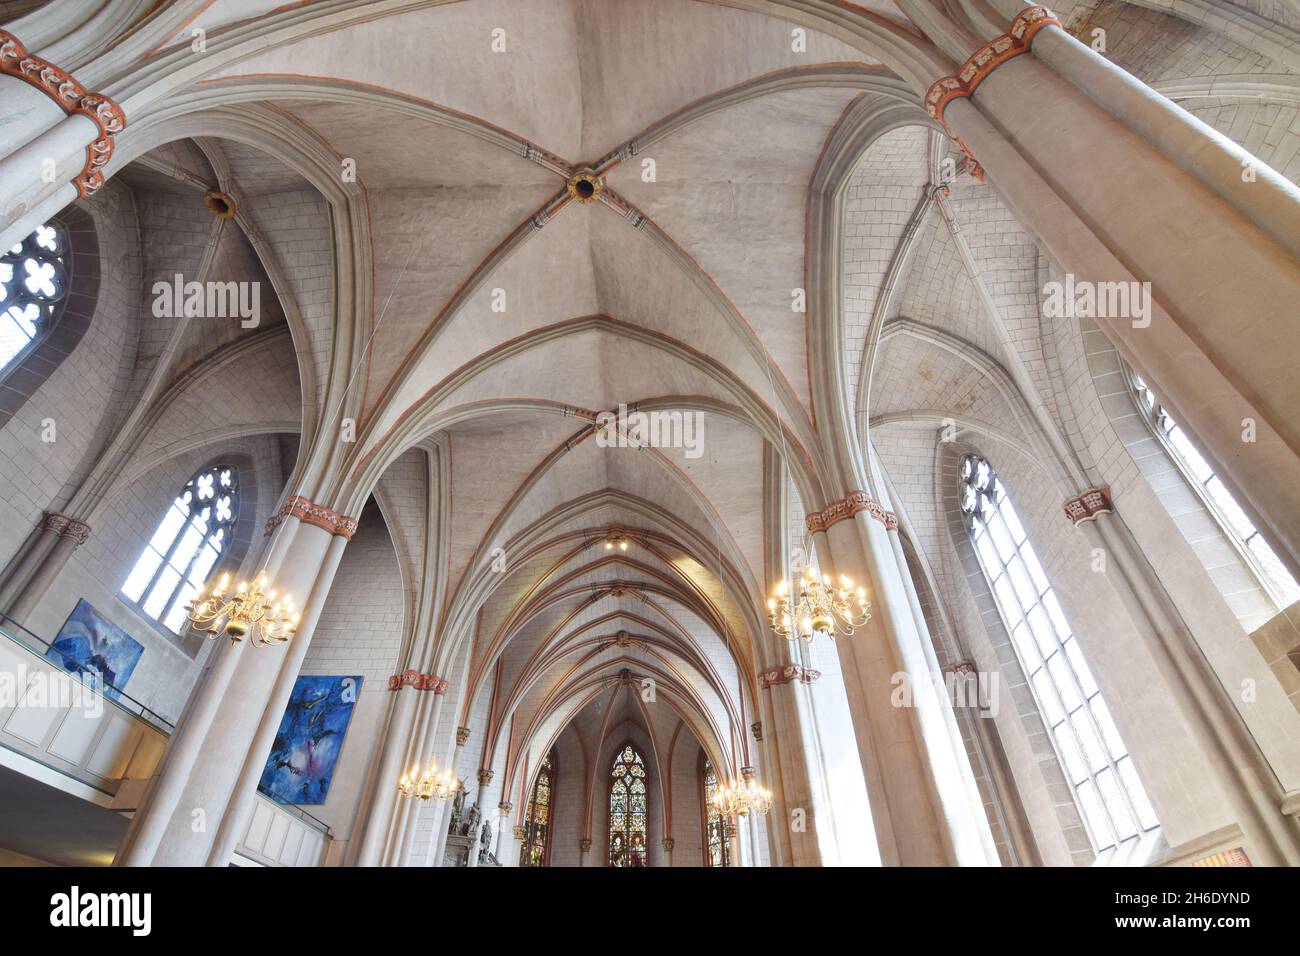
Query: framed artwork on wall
{"points": [[307, 745], [90, 644]]}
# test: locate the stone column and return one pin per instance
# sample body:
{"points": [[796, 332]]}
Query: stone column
{"points": [[232, 724], [516, 851], [31, 110], [1213, 725], [443, 822], [919, 803], [406, 820], [748, 775], [786, 749], [382, 805], [1221, 285], [172, 775], [484, 778], [738, 841], [584, 852], [53, 151], [503, 841], [239, 808], [58, 536], [668, 843], [754, 837]]}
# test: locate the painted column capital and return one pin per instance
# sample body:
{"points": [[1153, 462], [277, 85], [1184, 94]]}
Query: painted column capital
{"points": [[505, 807], [462, 736], [65, 526], [413, 678], [847, 507], [784, 674], [74, 98], [757, 728], [980, 64], [313, 514], [1087, 505], [585, 844], [668, 843], [485, 777]]}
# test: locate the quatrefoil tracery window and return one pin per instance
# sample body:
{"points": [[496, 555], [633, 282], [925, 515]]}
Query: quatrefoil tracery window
{"points": [[33, 278], [181, 554]]}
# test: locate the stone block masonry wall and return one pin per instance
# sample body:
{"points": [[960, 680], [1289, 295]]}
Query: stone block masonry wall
{"points": [[688, 822], [35, 473], [297, 224], [966, 716], [1162, 50], [175, 230], [881, 198], [572, 773], [359, 633]]}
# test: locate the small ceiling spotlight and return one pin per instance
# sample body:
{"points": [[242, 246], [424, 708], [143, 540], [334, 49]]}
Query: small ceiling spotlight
{"points": [[616, 539]]}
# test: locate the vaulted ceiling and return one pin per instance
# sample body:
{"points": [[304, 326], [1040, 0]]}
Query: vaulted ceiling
{"points": [[406, 182]]}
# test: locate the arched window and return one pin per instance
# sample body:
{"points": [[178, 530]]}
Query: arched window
{"points": [[1092, 755], [1259, 557], [191, 536], [33, 277], [715, 825], [537, 826], [627, 809]]}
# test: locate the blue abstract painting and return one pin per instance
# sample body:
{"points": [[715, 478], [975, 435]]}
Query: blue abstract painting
{"points": [[310, 739], [92, 646]]}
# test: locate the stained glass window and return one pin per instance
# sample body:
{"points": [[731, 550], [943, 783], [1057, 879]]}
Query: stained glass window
{"points": [[182, 552], [537, 826], [1092, 755], [715, 824], [33, 278], [627, 809], [1262, 560]]}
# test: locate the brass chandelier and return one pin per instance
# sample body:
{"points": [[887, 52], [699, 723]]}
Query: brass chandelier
{"points": [[248, 609], [740, 798], [818, 607], [429, 784]]}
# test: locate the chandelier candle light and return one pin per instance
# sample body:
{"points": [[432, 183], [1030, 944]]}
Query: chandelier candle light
{"points": [[740, 798], [818, 608], [248, 609], [432, 783]]}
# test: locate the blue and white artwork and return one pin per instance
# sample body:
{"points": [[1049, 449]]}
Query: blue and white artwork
{"points": [[310, 739], [95, 648]]}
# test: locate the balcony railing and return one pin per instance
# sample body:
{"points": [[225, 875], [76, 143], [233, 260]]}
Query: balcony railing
{"points": [[42, 648]]}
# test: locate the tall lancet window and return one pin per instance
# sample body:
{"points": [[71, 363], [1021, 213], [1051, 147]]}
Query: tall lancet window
{"points": [[1088, 745], [627, 809], [33, 277], [182, 552], [536, 849], [715, 825], [1260, 558]]}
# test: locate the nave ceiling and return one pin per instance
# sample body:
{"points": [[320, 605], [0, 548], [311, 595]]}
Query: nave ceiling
{"points": [[471, 317]]}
